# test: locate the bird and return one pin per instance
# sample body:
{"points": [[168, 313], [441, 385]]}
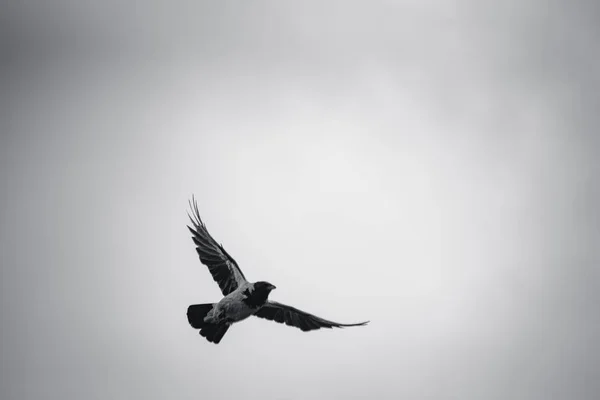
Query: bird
{"points": [[242, 298]]}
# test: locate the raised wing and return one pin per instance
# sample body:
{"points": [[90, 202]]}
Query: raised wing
{"points": [[221, 265], [291, 316]]}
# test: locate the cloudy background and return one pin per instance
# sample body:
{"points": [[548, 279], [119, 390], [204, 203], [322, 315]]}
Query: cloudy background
{"points": [[429, 166]]}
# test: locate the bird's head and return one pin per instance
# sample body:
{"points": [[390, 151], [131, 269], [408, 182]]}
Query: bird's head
{"points": [[263, 286]]}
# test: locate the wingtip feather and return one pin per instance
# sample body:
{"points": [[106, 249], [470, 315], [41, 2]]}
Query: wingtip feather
{"points": [[359, 323], [196, 220]]}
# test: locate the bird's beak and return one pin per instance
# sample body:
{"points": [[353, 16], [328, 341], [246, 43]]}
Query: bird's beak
{"points": [[272, 287]]}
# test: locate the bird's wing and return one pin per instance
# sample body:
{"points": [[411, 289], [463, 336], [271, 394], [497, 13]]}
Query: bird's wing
{"points": [[291, 316], [221, 265]]}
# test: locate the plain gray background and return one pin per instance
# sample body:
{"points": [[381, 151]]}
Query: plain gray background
{"points": [[430, 166]]}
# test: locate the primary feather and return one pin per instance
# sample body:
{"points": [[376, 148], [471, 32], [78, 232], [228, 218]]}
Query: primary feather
{"points": [[291, 316], [221, 265]]}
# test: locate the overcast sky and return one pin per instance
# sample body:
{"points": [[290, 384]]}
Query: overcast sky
{"points": [[429, 166]]}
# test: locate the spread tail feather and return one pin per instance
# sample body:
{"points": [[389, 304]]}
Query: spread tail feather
{"points": [[196, 314], [212, 332]]}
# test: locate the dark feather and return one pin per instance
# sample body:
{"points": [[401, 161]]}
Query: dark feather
{"points": [[221, 265], [214, 333], [257, 297], [291, 316], [196, 314]]}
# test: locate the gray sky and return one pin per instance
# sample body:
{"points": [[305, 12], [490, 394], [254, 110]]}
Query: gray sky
{"points": [[430, 166]]}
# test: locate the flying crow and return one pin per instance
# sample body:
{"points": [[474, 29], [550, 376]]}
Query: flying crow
{"points": [[242, 298]]}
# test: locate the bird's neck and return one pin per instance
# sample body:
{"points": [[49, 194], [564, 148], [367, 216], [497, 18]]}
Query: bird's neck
{"points": [[255, 298]]}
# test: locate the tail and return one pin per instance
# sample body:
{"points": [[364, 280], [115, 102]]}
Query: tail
{"points": [[196, 314], [212, 332]]}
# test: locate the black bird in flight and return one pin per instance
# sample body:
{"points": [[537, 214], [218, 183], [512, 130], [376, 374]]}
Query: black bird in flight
{"points": [[242, 298]]}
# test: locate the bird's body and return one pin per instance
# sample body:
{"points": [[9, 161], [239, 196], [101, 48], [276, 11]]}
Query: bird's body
{"points": [[231, 308], [239, 304], [242, 299]]}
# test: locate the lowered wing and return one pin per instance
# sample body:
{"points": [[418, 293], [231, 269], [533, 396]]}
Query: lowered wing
{"points": [[293, 317], [221, 265]]}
